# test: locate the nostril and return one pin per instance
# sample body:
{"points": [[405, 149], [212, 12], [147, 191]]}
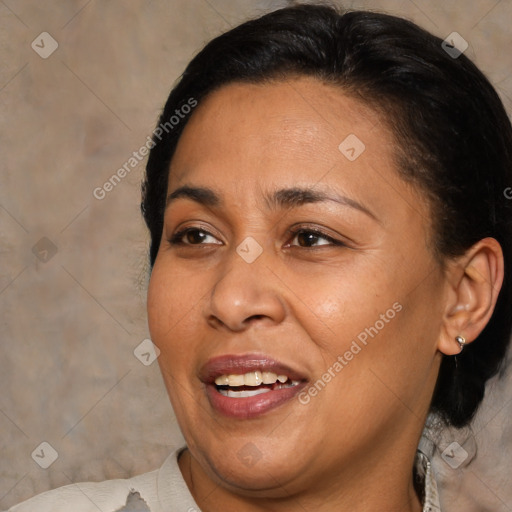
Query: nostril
{"points": [[254, 317]]}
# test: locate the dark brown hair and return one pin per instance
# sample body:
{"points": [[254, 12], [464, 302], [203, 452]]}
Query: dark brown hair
{"points": [[453, 136]]}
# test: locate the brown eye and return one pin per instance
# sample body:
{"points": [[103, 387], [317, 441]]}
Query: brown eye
{"points": [[192, 236], [309, 238]]}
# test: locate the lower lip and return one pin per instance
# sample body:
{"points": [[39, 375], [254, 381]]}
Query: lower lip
{"points": [[251, 406]]}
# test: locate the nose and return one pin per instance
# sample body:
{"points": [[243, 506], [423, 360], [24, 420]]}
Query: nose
{"points": [[244, 294]]}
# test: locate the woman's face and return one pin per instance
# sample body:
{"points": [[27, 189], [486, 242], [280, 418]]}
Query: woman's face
{"points": [[292, 248]]}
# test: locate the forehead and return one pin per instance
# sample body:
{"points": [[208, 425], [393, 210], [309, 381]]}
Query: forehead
{"points": [[248, 137], [277, 122]]}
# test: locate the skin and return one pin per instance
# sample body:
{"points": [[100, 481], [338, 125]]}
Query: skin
{"points": [[304, 300]]}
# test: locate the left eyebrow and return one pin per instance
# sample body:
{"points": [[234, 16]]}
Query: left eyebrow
{"points": [[283, 198]]}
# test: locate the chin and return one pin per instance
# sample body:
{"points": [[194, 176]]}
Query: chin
{"points": [[250, 471], [262, 480]]}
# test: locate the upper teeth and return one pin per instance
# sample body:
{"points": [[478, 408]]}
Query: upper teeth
{"points": [[250, 379]]}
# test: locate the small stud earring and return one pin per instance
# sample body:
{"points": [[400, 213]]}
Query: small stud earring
{"points": [[461, 341]]}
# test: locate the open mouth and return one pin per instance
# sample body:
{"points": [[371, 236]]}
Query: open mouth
{"points": [[249, 385], [252, 383]]}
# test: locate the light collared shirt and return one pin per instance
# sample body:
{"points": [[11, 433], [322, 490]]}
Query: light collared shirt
{"points": [[425, 473]]}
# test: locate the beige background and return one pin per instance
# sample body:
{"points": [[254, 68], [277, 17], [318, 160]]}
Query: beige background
{"points": [[69, 325]]}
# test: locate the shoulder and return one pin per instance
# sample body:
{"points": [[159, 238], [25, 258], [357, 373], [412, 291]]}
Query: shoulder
{"points": [[108, 496], [161, 490]]}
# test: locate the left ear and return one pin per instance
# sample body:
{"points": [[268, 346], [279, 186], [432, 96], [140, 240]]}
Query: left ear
{"points": [[474, 281]]}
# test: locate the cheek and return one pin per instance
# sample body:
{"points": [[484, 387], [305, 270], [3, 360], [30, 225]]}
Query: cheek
{"points": [[175, 303], [166, 304], [170, 307], [370, 314], [341, 302], [159, 296], [172, 296]]}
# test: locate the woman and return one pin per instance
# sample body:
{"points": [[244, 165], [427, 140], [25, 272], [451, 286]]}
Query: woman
{"points": [[330, 263]]}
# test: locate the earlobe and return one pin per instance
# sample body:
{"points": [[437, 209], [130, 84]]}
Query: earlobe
{"points": [[475, 281], [461, 341], [452, 345]]}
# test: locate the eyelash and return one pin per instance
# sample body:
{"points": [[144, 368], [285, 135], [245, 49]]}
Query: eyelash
{"points": [[177, 238]]}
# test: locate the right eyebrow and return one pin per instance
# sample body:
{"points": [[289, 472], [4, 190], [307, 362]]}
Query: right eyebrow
{"points": [[200, 195]]}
